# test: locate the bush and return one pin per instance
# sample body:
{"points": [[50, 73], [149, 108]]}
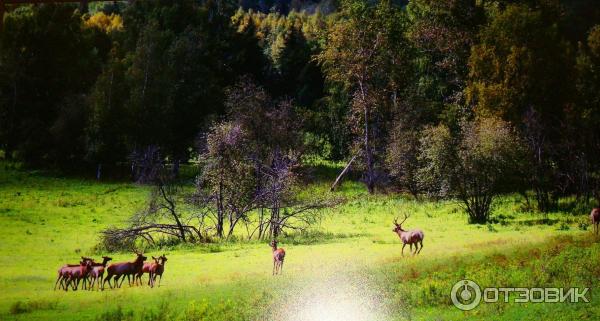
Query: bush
{"points": [[484, 161]]}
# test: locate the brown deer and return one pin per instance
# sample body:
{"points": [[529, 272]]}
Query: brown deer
{"points": [[62, 273], [97, 273], [278, 256], [157, 269], [77, 273], [595, 217], [409, 237], [123, 269], [145, 269]]}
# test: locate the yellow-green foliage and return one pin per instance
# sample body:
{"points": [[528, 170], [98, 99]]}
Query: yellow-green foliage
{"points": [[104, 22], [273, 30]]}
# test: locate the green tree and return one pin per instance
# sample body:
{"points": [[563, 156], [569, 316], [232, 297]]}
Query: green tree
{"points": [[365, 53], [48, 62], [475, 167], [521, 71]]}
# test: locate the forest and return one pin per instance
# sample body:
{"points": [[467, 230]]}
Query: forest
{"points": [[424, 94], [220, 125]]}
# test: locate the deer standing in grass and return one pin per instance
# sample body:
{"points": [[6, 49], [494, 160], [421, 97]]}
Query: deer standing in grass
{"points": [[123, 269], [595, 217], [157, 270], [77, 273], [278, 256], [97, 273], [145, 269], [409, 237], [63, 273]]}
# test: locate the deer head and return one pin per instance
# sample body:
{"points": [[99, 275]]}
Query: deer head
{"points": [[274, 244], [140, 256], [398, 227]]}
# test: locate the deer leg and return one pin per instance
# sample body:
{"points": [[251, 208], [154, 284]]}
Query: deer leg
{"points": [[92, 283], [57, 280], [281, 267], [66, 284], [159, 280], [421, 247], [403, 245], [107, 279], [411, 250], [63, 281]]}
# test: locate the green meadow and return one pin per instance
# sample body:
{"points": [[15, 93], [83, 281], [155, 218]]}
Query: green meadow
{"points": [[348, 267]]}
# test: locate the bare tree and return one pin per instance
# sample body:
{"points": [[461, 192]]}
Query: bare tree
{"points": [[162, 215]]}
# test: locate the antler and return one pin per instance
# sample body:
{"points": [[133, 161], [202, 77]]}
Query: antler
{"points": [[396, 221], [405, 217]]}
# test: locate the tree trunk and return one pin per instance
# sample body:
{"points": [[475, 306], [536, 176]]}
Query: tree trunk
{"points": [[338, 179], [173, 213], [98, 171], [369, 175], [176, 163]]}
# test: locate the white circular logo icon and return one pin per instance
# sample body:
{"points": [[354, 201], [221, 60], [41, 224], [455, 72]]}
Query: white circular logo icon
{"points": [[466, 295]]}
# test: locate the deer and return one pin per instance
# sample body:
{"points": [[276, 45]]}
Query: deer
{"points": [[64, 269], [157, 269], [409, 237], [145, 269], [595, 217], [76, 273], [278, 256], [97, 273], [123, 269]]}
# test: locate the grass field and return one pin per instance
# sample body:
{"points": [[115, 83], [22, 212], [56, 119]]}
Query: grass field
{"points": [[348, 267]]}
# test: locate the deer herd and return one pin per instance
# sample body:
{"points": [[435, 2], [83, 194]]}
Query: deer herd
{"points": [[91, 273]]}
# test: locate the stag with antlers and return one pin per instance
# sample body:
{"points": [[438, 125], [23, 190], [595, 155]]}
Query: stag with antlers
{"points": [[409, 237]]}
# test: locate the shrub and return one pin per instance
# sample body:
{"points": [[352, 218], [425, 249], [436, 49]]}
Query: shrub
{"points": [[484, 161]]}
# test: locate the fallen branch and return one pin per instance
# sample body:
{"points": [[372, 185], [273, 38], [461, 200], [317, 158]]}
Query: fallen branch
{"points": [[337, 180], [131, 234]]}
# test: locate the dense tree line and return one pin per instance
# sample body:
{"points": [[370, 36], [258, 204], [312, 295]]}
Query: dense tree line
{"points": [[446, 98]]}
